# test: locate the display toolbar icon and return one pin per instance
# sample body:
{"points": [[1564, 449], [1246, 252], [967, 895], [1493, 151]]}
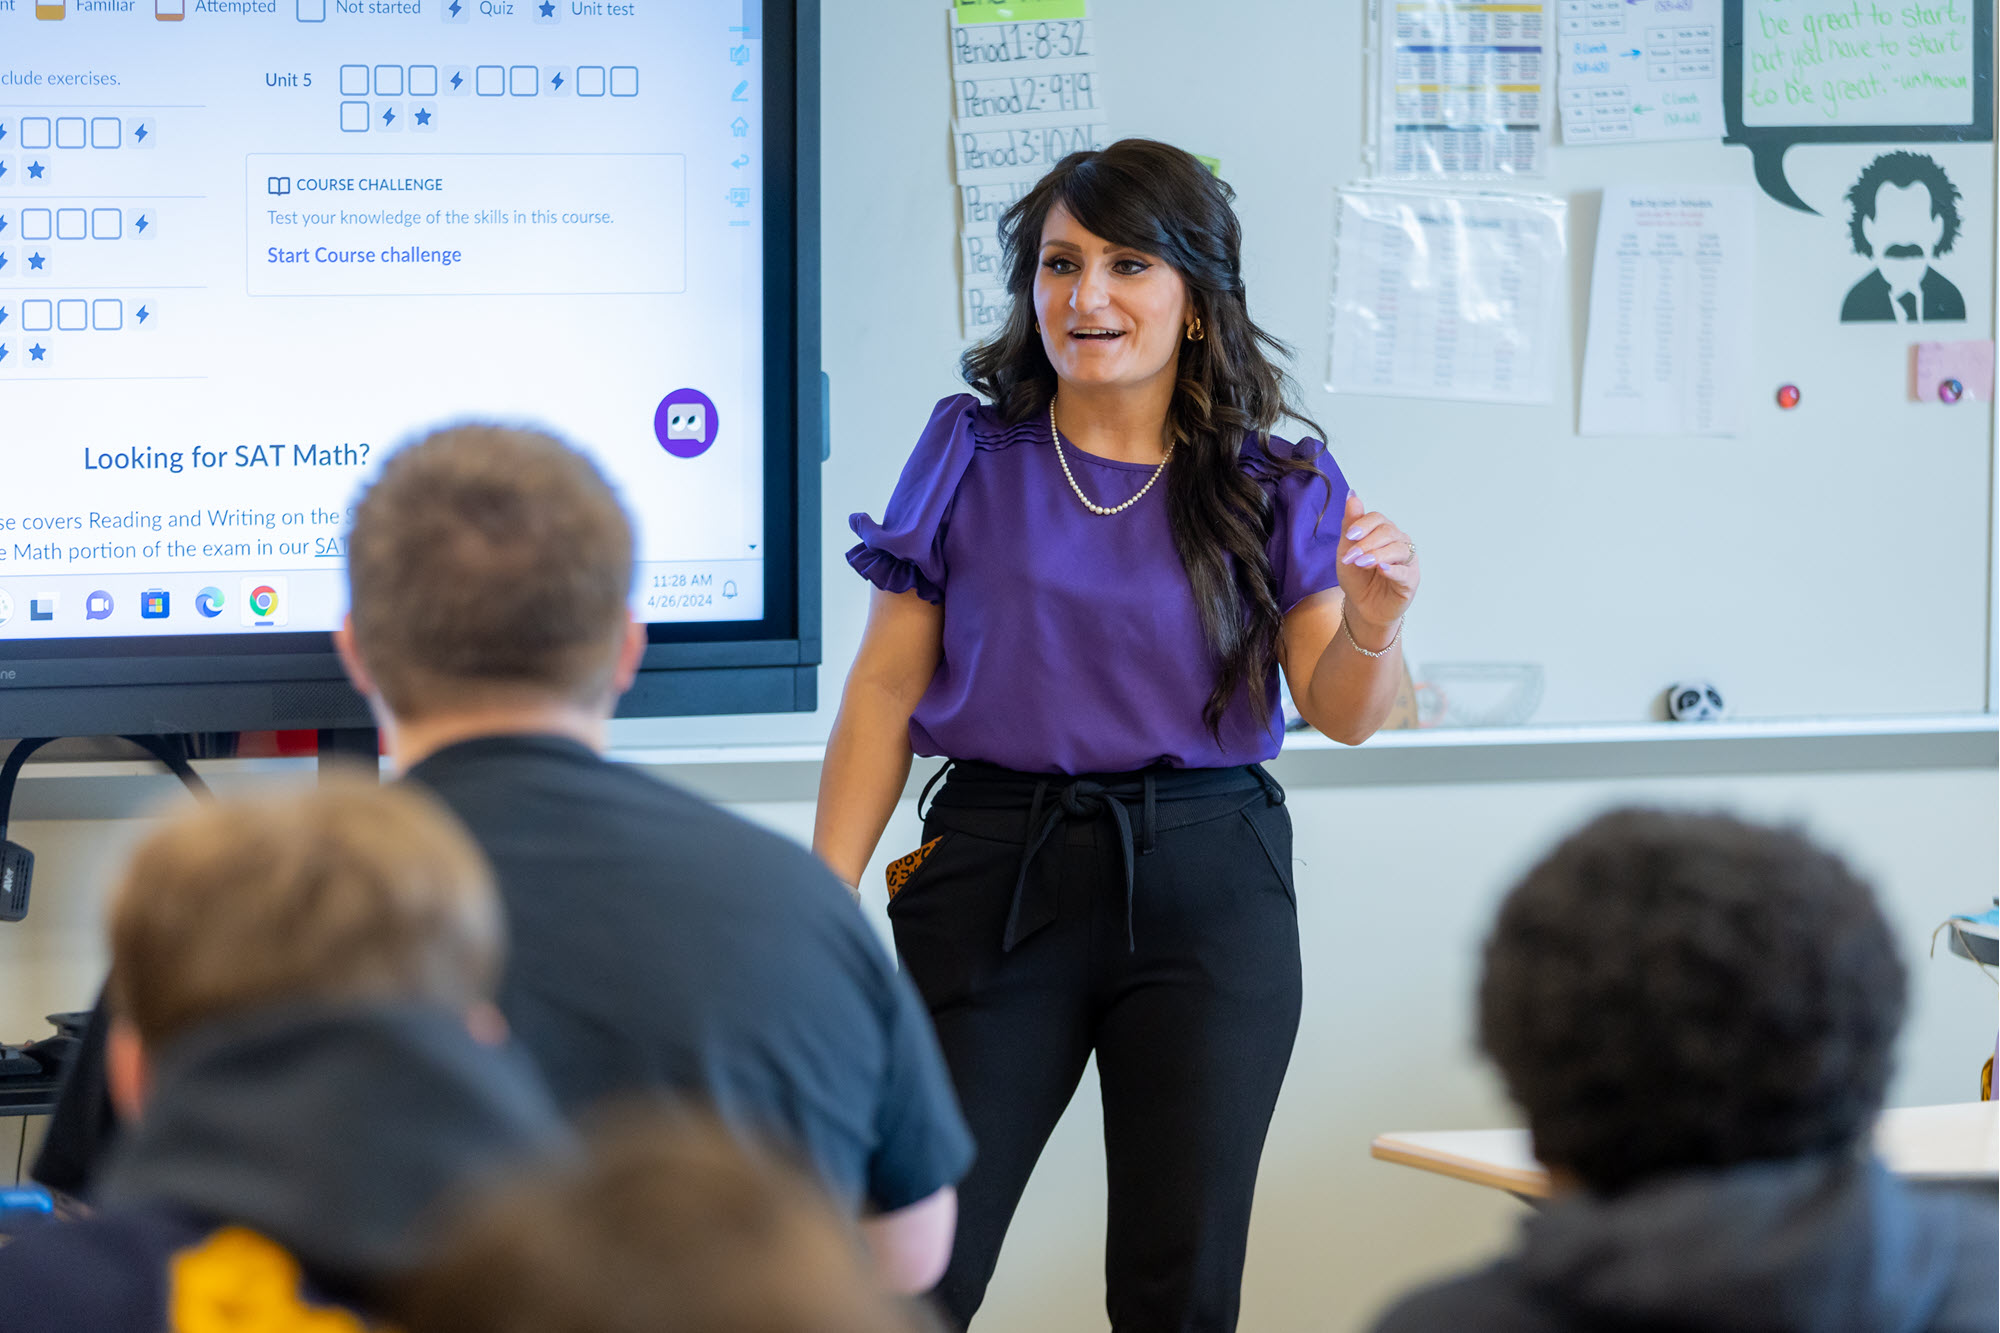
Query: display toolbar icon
{"points": [[155, 604], [266, 602], [98, 606], [209, 602]]}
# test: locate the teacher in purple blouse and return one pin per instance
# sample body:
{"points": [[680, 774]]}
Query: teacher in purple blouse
{"points": [[1086, 587]]}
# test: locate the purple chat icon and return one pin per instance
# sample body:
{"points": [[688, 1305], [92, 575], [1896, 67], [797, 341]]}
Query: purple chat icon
{"points": [[685, 424]]}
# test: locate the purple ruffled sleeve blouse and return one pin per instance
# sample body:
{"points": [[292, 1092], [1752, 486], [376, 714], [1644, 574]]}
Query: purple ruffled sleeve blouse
{"points": [[1071, 640]]}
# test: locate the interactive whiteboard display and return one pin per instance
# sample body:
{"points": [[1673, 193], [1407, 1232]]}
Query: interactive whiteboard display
{"points": [[247, 247]]}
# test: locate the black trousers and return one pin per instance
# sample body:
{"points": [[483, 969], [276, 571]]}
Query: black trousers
{"points": [[1148, 918]]}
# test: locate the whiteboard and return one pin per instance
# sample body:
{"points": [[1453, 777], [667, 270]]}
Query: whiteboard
{"points": [[1832, 561]]}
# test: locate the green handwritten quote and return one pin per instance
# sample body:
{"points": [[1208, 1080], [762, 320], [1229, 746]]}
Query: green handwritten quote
{"points": [[1857, 62]]}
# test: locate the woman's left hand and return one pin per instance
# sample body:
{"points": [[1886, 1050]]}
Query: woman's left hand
{"points": [[1378, 567]]}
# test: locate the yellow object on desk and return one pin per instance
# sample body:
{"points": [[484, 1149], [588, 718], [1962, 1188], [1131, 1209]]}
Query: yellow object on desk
{"points": [[1959, 1142]]}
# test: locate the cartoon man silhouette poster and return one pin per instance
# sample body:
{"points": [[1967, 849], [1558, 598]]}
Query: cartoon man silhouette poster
{"points": [[1905, 215]]}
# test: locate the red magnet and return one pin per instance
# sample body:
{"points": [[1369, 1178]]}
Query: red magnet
{"points": [[1788, 396], [1950, 391]]}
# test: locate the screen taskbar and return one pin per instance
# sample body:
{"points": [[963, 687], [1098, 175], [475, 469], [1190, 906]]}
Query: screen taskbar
{"points": [[239, 602]]}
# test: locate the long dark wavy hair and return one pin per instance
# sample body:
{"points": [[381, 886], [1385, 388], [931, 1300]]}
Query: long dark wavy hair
{"points": [[1161, 201]]}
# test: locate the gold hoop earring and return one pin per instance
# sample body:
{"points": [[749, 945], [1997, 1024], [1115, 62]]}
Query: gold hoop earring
{"points": [[1195, 333]]}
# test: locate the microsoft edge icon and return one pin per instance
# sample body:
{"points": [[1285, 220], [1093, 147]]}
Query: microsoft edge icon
{"points": [[209, 602]]}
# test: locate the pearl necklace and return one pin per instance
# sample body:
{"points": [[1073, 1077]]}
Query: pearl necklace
{"points": [[1071, 477]]}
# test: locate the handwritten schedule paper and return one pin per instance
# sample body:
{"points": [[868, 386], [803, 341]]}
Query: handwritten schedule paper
{"points": [[1669, 313], [1463, 89], [1024, 95], [1447, 295], [1635, 70]]}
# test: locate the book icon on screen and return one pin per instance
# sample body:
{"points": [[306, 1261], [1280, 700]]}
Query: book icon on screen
{"points": [[266, 601]]}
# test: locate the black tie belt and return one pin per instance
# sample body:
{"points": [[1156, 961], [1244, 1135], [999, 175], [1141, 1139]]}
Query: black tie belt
{"points": [[1055, 800]]}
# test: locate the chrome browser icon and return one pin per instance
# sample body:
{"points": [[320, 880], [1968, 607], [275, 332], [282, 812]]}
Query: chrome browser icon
{"points": [[266, 601], [209, 602]]}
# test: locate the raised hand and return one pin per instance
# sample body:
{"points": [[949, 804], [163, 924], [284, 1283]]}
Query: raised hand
{"points": [[1378, 569]]}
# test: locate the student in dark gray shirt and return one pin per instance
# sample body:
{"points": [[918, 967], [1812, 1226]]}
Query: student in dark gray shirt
{"points": [[1696, 1014], [656, 943]]}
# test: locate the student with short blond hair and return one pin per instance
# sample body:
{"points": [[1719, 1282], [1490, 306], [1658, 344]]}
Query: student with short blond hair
{"points": [[671, 1225], [306, 1057], [349, 894]]}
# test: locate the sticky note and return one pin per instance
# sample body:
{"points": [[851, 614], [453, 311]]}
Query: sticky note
{"points": [[1017, 11], [1970, 363]]}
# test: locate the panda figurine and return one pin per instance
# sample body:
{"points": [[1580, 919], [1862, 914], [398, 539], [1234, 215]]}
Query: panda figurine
{"points": [[1694, 701]]}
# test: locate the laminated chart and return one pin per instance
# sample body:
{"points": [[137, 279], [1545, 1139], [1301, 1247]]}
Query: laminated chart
{"points": [[1461, 89], [1634, 70], [1024, 96], [1447, 295], [246, 253]]}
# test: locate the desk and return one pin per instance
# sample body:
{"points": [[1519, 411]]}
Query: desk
{"points": [[1929, 1143]]}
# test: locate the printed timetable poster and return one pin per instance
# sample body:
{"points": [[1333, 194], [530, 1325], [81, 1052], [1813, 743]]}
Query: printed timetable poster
{"points": [[1461, 89]]}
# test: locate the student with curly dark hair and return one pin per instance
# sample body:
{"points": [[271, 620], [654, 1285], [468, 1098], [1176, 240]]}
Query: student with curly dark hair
{"points": [[1905, 215], [1086, 589], [1696, 1015]]}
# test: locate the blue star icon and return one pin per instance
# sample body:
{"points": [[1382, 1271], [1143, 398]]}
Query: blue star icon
{"points": [[35, 170], [36, 352], [548, 9], [36, 260], [423, 117]]}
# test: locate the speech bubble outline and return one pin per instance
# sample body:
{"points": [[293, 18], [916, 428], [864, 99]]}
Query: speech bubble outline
{"points": [[1767, 143]]}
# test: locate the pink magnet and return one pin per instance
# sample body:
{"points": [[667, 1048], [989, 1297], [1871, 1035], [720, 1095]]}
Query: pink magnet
{"points": [[1788, 396], [1950, 391]]}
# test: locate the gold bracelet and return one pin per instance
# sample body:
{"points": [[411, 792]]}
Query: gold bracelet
{"points": [[1363, 651]]}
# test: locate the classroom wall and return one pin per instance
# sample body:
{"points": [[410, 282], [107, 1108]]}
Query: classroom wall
{"points": [[1620, 564], [1396, 886]]}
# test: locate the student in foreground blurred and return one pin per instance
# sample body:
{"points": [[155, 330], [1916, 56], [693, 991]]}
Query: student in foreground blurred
{"points": [[1696, 1015], [307, 1061], [670, 1226]]}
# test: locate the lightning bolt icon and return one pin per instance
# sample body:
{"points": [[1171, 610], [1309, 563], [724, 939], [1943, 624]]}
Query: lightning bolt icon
{"points": [[140, 133], [556, 82], [141, 224], [143, 313], [454, 8], [388, 115], [456, 79]]}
